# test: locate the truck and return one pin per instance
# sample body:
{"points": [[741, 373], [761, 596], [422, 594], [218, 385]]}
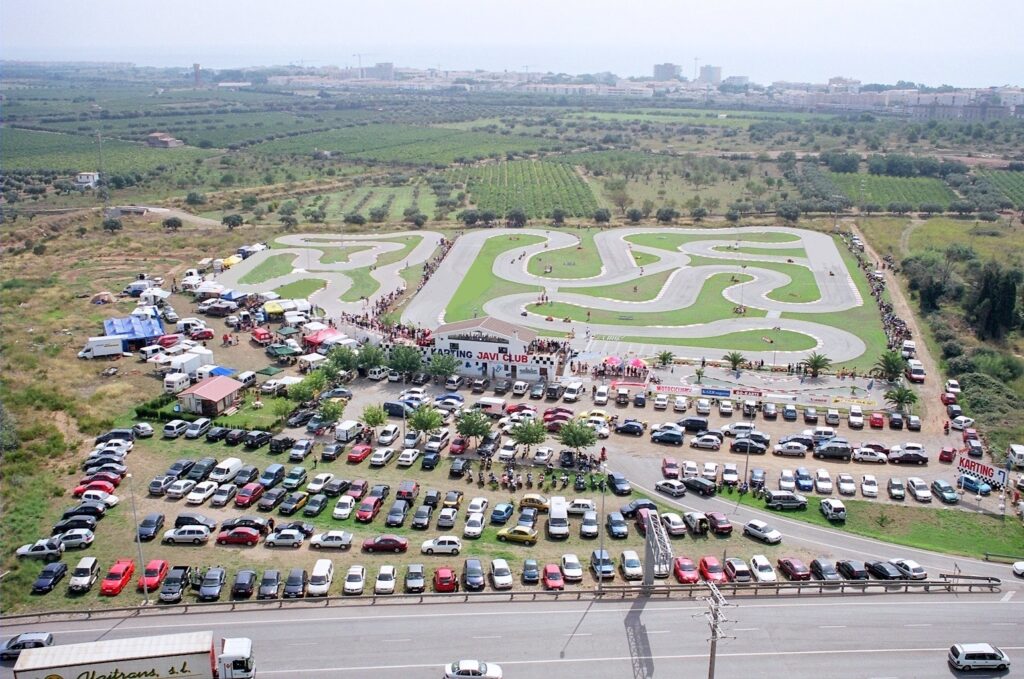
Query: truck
{"points": [[101, 347], [188, 363], [190, 654]]}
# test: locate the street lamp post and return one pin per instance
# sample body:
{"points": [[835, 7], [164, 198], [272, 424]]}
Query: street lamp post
{"points": [[138, 540], [602, 468], [746, 464]]}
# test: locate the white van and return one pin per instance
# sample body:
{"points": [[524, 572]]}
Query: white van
{"points": [[226, 470], [491, 406], [321, 578], [558, 519], [248, 378], [378, 373], [978, 656], [832, 417], [85, 574], [601, 395], [1015, 455], [347, 431], [573, 392], [146, 353], [176, 382], [520, 388], [198, 428]]}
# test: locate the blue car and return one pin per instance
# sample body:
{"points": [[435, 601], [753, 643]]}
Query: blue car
{"points": [[501, 513], [804, 480], [974, 485], [450, 395]]}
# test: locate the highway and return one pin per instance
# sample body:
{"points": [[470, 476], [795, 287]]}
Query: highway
{"points": [[874, 636]]}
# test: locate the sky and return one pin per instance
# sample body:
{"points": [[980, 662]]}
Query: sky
{"points": [[961, 43]]}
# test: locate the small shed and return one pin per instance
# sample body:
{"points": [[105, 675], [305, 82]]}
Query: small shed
{"points": [[210, 397]]}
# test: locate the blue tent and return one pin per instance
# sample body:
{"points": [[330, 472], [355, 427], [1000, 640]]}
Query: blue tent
{"points": [[234, 295], [226, 372], [136, 331]]}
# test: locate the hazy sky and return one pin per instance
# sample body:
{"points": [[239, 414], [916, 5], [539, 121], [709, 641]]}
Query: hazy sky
{"points": [[962, 42]]}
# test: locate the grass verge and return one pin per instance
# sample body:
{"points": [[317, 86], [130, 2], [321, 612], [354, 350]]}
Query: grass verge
{"points": [[363, 285], [269, 268], [480, 284], [580, 261], [746, 340], [301, 289]]}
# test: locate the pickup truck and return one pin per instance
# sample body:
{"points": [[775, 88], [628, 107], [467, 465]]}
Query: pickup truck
{"points": [[281, 444], [175, 584]]}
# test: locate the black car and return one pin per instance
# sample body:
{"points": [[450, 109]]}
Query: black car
{"points": [[822, 569], [51, 574], [293, 503], [235, 436], [746, 445], [270, 585], [759, 437], [630, 427], [316, 505], [531, 572], [421, 519], [459, 468], [97, 510], [335, 487], [194, 519], [699, 485], [244, 584], [331, 452], [301, 418], [630, 510], [256, 439], [150, 526], [619, 484], [255, 522], [432, 498], [807, 441], [420, 378], [295, 585], [246, 474], [303, 527], [216, 434], [272, 498], [693, 424], [883, 570], [895, 421], [429, 460], [489, 444], [180, 468], [116, 435], [212, 583], [202, 469], [615, 522], [502, 387], [810, 415], [78, 521], [757, 478], [397, 513], [280, 444], [852, 570], [566, 459], [473, 575], [538, 390], [381, 490]]}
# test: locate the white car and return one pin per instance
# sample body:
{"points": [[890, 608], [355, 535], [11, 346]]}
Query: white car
{"points": [[477, 505], [385, 583], [790, 449], [332, 539], [869, 455], [856, 418], [1018, 569], [761, 569], [389, 435], [442, 544], [917, 487], [632, 567], [543, 455], [343, 507], [710, 471], [961, 422], [869, 485], [690, 470], [787, 480], [673, 524], [668, 426], [738, 429], [822, 482], [355, 580], [180, 489], [318, 482], [846, 484], [600, 427], [474, 525], [100, 496], [952, 386], [201, 493], [730, 474], [672, 487], [762, 531], [419, 393], [286, 537], [703, 406], [572, 569], [381, 457], [477, 669], [118, 446], [707, 442], [507, 452], [910, 569], [76, 538], [408, 457], [501, 574], [725, 407], [601, 395], [681, 404], [661, 402]]}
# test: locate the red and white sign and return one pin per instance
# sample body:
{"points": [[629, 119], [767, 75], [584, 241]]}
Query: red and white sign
{"points": [[756, 393], [986, 472], [684, 390]]}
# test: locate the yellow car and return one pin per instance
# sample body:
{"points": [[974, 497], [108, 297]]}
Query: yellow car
{"points": [[597, 412], [535, 500], [521, 534]]}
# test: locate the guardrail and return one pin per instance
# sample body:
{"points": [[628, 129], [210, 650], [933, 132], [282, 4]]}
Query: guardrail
{"points": [[1002, 558], [947, 583]]}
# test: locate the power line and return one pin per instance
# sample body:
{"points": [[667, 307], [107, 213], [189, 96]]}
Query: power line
{"points": [[715, 617]]}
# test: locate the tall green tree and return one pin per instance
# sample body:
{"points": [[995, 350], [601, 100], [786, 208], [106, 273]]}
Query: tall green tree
{"points": [[901, 397], [405, 359], [473, 425], [577, 435], [371, 356], [889, 366], [343, 358], [232, 221], [425, 419], [112, 225], [374, 416], [172, 223], [443, 365], [816, 363], [735, 359], [529, 433], [332, 410]]}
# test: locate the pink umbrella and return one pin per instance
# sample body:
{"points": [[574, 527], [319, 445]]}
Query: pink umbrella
{"points": [[612, 360], [638, 363]]}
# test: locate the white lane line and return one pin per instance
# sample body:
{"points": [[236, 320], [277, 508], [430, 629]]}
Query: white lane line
{"points": [[496, 636], [746, 629], [397, 641], [919, 624], [831, 626], [1007, 596], [665, 631], [1004, 624], [579, 634]]}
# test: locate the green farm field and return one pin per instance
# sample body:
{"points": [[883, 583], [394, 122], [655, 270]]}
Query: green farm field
{"points": [[869, 188], [536, 187], [1010, 183]]}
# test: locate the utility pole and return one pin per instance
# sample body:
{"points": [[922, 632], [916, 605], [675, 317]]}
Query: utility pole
{"points": [[716, 602]]}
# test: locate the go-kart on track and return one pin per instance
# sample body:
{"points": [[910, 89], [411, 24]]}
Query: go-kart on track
{"points": [[681, 290]]}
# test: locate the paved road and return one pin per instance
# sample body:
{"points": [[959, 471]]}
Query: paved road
{"points": [[883, 635]]}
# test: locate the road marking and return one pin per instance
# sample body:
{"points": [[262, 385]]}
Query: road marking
{"points": [[831, 626], [496, 636], [919, 624], [313, 643], [1007, 596], [668, 631], [579, 634], [1005, 624], [400, 641], [746, 629]]}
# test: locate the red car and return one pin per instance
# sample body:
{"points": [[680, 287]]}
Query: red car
{"points": [[557, 417], [947, 454], [558, 410], [368, 509], [711, 570], [153, 576], [105, 486], [793, 568], [875, 446], [459, 446], [249, 494], [719, 524], [947, 398], [555, 426], [385, 543], [112, 479], [685, 570], [669, 468], [359, 452], [970, 433], [876, 421], [239, 536], [358, 489], [118, 577], [202, 334], [445, 580], [552, 577], [168, 341]]}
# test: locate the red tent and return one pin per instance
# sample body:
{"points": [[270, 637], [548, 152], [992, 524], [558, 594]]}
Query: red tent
{"points": [[320, 336]]}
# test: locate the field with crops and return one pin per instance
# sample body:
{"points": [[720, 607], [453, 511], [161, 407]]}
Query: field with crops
{"points": [[30, 150], [881, 190], [406, 144], [1010, 183], [537, 187]]}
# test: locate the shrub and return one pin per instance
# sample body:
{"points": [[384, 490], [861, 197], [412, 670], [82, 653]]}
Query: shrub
{"points": [[951, 349]]}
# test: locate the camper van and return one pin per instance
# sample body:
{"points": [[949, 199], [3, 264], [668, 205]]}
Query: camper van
{"points": [[1015, 455], [146, 353], [176, 382]]}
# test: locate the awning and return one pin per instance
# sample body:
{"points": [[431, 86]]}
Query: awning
{"points": [[273, 308], [288, 331], [232, 260]]}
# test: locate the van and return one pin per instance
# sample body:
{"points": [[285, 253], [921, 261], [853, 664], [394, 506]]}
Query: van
{"points": [[198, 428], [346, 431], [187, 325], [823, 434], [176, 382], [978, 656], [226, 470], [915, 371], [321, 579], [248, 378], [146, 353], [832, 417], [85, 574], [379, 373], [749, 408], [1015, 455], [573, 392], [454, 383], [174, 429], [558, 519], [601, 395], [520, 388], [909, 349], [438, 441], [554, 392], [492, 407]]}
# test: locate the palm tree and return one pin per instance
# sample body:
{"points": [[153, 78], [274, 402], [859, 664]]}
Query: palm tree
{"points": [[817, 363], [699, 374], [735, 359], [889, 366], [901, 397], [665, 358]]}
